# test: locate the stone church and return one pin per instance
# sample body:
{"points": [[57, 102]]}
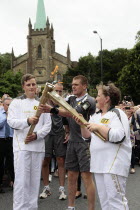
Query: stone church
{"points": [[41, 58]]}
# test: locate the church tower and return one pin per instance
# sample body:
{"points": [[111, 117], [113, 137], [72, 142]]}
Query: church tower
{"points": [[41, 58], [41, 46]]}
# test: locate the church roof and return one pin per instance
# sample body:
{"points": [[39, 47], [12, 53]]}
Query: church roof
{"points": [[40, 16]]}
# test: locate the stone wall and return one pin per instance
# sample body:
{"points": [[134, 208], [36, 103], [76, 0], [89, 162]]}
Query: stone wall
{"points": [[20, 59], [22, 67]]}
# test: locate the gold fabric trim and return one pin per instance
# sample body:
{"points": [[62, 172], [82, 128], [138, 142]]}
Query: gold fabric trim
{"points": [[18, 142], [114, 158], [118, 188]]}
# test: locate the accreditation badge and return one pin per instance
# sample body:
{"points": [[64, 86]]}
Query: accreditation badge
{"points": [[105, 121]]}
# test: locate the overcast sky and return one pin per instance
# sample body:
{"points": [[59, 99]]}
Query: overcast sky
{"points": [[117, 22]]}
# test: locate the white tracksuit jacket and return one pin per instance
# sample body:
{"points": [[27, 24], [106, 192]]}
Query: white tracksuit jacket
{"points": [[107, 157], [19, 110]]}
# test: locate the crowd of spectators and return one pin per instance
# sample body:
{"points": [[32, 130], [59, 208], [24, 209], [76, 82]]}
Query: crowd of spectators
{"points": [[133, 114]]}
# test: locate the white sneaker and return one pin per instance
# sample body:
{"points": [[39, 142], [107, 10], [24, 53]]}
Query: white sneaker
{"points": [[45, 193], [50, 178], [62, 195]]}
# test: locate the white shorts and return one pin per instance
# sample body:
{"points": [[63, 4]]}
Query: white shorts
{"points": [[111, 191]]}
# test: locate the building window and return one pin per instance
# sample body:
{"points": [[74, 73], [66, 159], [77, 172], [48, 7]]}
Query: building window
{"points": [[39, 52]]}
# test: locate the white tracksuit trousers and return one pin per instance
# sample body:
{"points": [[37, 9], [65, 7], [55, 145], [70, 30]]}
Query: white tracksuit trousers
{"points": [[27, 166], [111, 191]]}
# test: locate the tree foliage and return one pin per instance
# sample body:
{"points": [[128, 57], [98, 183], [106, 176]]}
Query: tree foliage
{"points": [[5, 62], [90, 66], [121, 66], [137, 37], [129, 77], [10, 83], [113, 62]]}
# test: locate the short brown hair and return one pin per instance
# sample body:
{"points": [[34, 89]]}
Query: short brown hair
{"points": [[26, 77], [83, 79], [112, 91]]}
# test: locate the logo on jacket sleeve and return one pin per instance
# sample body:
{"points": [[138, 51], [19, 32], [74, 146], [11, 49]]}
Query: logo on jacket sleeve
{"points": [[105, 121]]}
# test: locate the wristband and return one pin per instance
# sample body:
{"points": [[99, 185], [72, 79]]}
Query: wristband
{"points": [[54, 110]]}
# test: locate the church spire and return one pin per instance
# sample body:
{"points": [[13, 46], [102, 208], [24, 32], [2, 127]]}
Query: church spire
{"points": [[68, 55], [40, 16], [12, 58], [68, 52]]}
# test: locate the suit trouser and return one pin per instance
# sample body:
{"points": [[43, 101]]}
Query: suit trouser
{"points": [[6, 153], [111, 191], [2, 149], [27, 166]]}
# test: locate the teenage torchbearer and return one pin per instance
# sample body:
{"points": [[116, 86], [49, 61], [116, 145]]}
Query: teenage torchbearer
{"points": [[27, 157]]}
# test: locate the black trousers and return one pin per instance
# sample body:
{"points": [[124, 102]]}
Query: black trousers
{"points": [[133, 158], [6, 158], [137, 149]]}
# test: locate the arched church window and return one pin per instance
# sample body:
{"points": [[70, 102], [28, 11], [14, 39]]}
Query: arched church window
{"points": [[39, 52]]}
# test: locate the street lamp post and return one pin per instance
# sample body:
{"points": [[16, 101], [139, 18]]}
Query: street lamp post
{"points": [[101, 55]]}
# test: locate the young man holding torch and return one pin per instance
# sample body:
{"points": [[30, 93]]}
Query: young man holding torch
{"points": [[27, 157]]}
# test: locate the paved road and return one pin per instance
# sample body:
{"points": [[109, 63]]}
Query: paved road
{"points": [[52, 202]]}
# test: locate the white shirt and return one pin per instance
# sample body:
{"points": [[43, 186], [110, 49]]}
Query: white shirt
{"points": [[107, 157], [18, 112]]}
